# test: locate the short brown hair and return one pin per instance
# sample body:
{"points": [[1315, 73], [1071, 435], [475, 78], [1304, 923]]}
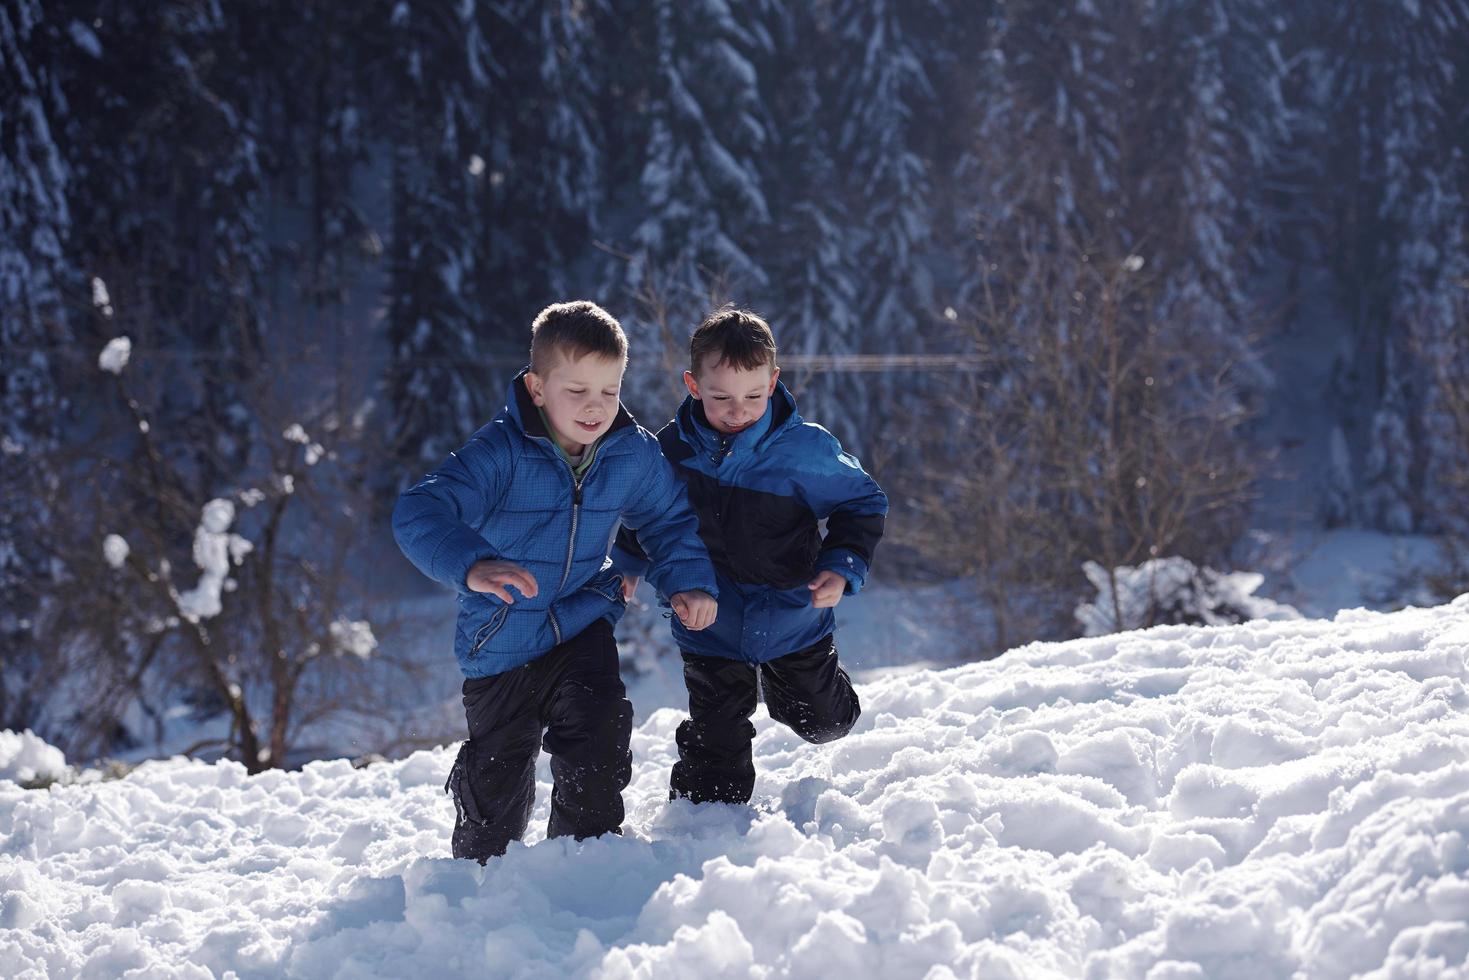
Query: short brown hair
{"points": [[574, 330], [737, 337]]}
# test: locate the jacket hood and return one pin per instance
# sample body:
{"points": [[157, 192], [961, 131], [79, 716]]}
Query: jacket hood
{"points": [[695, 427]]}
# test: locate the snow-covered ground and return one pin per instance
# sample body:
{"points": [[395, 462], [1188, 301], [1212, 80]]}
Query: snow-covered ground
{"points": [[1264, 800], [1344, 568], [892, 625]]}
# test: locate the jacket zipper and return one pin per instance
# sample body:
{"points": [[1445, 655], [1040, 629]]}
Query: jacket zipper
{"points": [[490, 629], [571, 540], [576, 483]]}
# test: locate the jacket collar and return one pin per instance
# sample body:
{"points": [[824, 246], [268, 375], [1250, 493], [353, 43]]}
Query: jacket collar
{"points": [[780, 414]]}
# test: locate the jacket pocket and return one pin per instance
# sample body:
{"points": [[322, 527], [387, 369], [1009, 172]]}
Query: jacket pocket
{"points": [[608, 586], [487, 632]]}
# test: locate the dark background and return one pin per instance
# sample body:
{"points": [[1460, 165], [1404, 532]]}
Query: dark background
{"points": [[1080, 281]]}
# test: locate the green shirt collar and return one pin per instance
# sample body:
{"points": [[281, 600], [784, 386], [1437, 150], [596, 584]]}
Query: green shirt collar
{"points": [[577, 469]]}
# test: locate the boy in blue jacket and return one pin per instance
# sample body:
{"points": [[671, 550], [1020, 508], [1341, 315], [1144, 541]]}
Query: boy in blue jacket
{"points": [[518, 522], [760, 478]]}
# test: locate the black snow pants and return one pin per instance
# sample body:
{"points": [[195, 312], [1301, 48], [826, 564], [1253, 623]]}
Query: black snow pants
{"points": [[572, 702], [807, 690]]}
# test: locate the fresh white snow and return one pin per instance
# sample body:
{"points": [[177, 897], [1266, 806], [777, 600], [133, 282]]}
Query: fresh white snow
{"points": [[1175, 586], [25, 757], [102, 301], [1272, 799], [354, 636], [215, 549], [114, 356], [295, 432], [116, 550]]}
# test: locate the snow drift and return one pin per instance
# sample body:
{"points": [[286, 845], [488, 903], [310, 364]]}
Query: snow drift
{"points": [[1260, 800]]}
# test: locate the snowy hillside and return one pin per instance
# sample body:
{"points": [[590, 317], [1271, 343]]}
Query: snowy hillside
{"points": [[1265, 800]]}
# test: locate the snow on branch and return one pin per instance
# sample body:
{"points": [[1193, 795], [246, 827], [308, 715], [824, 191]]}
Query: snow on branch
{"points": [[26, 758], [1173, 590], [115, 549], [100, 299], [296, 432], [215, 548], [354, 637], [114, 356]]}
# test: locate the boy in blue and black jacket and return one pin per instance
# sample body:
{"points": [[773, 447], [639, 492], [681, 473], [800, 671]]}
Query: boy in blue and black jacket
{"points": [[518, 522], [760, 479]]}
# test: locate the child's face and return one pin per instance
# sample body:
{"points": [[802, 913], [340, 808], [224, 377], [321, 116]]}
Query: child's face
{"points": [[579, 397], [734, 398]]}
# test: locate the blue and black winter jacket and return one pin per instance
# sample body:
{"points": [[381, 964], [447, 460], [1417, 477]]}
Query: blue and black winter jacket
{"points": [[759, 495], [509, 494]]}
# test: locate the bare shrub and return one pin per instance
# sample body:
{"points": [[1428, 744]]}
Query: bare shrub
{"points": [[223, 572], [1095, 427]]}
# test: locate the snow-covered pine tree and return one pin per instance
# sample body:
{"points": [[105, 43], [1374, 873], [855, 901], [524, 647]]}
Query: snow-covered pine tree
{"points": [[1427, 171], [1447, 424], [166, 201], [1043, 164], [35, 222], [33, 205], [1140, 130], [1047, 142], [437, 381], [1204, 118], [1395, 191], [885, 101], [311, 80], [817, 308], [885, 94], [540, 187], [704, 214], [813, 253]]}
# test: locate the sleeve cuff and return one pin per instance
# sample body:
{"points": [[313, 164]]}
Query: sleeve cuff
{"points": [[687, 576], [846, 564]]}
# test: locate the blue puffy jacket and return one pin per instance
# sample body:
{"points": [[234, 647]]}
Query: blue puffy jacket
{"points": [[759, 495], [508, 494]]}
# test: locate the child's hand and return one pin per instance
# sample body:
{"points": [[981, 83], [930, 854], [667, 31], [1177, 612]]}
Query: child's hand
{"points": [[629, 586], [493, 576], [827, 589], [696, 609]]}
